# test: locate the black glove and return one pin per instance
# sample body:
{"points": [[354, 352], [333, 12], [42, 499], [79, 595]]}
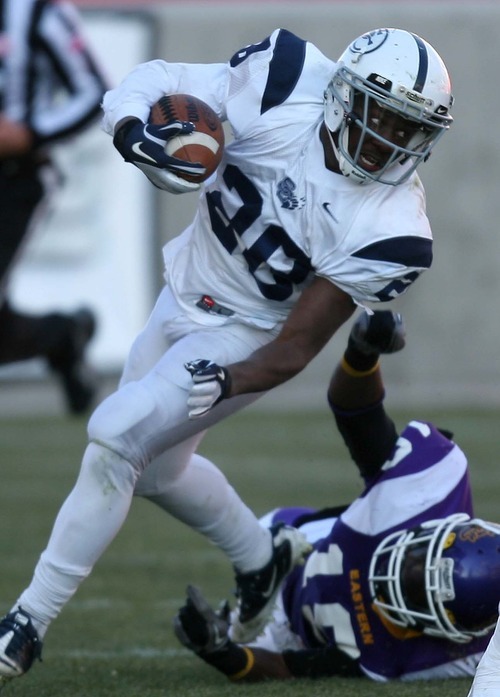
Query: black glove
{"points": [[211, 384], [382, 331], [205, 631], [200, 628], [144, 146]]}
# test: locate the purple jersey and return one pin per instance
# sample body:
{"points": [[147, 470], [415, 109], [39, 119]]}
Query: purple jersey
{"points": [[327, 601]]}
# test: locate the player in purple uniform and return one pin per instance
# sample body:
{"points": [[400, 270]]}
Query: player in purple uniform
{"points": [[403, 582]]}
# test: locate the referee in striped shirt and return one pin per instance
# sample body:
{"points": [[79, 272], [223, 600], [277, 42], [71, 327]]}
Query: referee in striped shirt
{"points": [[50, 89]]}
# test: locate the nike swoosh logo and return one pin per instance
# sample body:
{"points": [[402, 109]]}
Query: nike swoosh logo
{"points": [[326, 206], [220, 640], [4, 645], [271, 588], [137, 149]]}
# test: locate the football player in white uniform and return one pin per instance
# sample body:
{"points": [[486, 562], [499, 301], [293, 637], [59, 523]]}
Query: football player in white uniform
{"points": [[486, 681], [315, 208], [402, 583]]}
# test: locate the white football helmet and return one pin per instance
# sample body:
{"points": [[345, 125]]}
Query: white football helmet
{"points": [[384, 73]]}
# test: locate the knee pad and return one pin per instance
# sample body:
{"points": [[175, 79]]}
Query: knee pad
{"points": [[125, 422], [143, 419], [107, 468]]}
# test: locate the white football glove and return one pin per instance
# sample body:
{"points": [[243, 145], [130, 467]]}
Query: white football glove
{"points": [[211, 384], [144, 146]]}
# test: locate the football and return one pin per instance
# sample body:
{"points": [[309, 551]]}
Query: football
{"points": [[205, 144]]}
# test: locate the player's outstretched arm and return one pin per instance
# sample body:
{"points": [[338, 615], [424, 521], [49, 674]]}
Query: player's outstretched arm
{"points": [[206, 632], [356, 390], [320, 311], [318, 314]]}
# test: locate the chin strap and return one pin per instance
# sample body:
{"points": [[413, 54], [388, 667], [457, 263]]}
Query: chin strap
{"points": [[345, 167]]}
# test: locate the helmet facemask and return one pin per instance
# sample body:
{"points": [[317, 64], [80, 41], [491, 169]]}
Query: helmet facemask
{"points": [[420, 578], [389, 73], [396, 134]]}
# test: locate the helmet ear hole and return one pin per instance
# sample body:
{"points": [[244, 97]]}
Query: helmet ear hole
{"points": [[335, 108]]}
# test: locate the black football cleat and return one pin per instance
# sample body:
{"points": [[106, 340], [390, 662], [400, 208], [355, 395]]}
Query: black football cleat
{"points": [[19, 645], [380, 332], [257, 590], [67, 360]]}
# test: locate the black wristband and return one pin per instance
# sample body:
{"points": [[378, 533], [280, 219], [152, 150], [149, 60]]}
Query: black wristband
{"points": [[317, 663], [359, 360], [232, 660]]}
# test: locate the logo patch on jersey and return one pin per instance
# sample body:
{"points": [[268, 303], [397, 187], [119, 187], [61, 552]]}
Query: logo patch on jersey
{"points": [[286, 194]]}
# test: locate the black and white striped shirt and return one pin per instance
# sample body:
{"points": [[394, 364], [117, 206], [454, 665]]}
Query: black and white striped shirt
{"points": [[48, 78]]}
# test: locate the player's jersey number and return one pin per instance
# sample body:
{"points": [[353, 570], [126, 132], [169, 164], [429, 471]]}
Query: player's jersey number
{"points": [[274, 260], [331, 616]]}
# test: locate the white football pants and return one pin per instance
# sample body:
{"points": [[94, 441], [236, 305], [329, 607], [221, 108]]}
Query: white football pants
{"points": [[487, 679], [142, 443]]}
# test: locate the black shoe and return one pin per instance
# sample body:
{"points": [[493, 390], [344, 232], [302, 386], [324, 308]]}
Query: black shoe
{"points": [[67, 360], [256, 591], [19, 645], [381, 332]]}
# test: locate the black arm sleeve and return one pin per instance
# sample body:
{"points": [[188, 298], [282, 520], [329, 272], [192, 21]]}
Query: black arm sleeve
{"points": [[319, 663], [369, 434]]}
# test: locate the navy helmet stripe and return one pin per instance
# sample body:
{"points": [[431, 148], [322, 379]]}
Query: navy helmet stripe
{"points": [[284, 70], [423, 65]]}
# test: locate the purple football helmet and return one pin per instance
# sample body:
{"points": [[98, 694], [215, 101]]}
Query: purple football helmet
{"points": [[442, 577]]}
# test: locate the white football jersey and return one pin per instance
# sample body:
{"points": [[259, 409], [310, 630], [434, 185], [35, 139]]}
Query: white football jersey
{"points": [[273, 215]]}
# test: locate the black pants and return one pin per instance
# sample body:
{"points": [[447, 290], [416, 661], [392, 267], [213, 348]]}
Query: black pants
{"points": [[22, 336], [21, 191]]}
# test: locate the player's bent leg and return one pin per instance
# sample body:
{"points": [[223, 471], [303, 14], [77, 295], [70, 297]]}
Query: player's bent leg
{"points": [[160, 424], [87, 522], [201, 497]]}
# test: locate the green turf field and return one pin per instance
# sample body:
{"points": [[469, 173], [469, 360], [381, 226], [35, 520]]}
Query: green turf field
{"points": [[114, 639]]}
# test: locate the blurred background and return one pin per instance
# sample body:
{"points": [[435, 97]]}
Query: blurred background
{"points": [[102, 241]]}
